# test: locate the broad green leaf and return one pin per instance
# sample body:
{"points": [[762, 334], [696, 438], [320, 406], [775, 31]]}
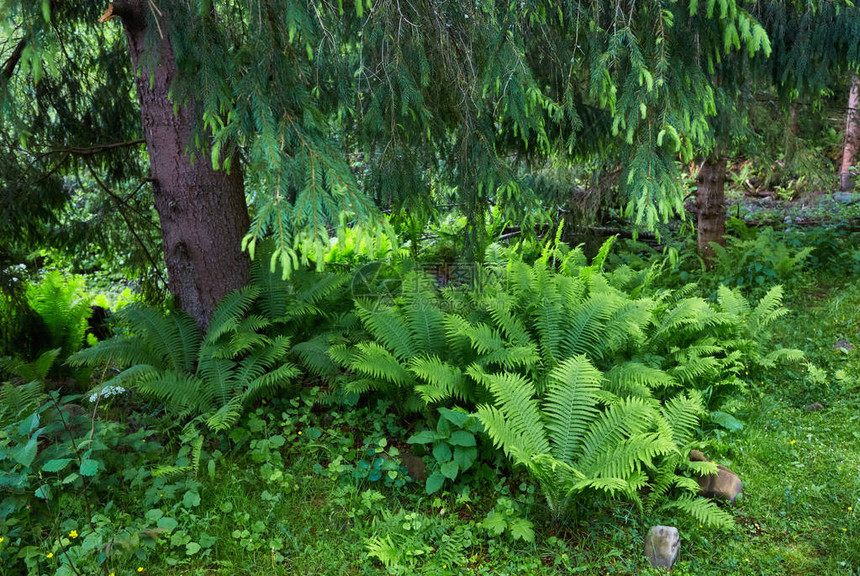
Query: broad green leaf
{"points": [[56, 465], [522, 529], [462, 438], [167, 523], [494, 523], [434, 482], [25, 454], [89, 468], [465, 456], [424, 437], [191, 498], [441, 452], [450, 469], [277, 441]]}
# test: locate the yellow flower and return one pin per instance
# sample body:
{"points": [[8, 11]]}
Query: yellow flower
{"points": [[140, 568], [73, 534], [300, 432], [113, 574], [2, 538], [793, 442], [50, 555], [849, 509]]}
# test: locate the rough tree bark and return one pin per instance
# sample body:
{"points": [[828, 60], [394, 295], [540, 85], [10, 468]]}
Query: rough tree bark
{"points": [[711, 206], [203, 212], [852, 136]]}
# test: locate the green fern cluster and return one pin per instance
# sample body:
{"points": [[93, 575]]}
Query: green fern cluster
{"points": [[25, 392], [589, 379], [246, 351], [212, 375], [62, 303]]}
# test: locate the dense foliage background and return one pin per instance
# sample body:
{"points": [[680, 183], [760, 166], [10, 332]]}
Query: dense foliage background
{"points": [[467, 282]]}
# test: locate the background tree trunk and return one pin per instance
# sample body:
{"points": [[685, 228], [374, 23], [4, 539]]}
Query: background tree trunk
{"points": [[852, 136], [711, 206], [203, 212]]}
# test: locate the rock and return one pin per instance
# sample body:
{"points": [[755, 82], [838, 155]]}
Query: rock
{"points": [[846, 197], [844, 345], [697, 456], [415, 466], [725, 484], [661, 546], [813, 407]]}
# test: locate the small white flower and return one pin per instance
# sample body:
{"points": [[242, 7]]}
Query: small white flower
{"points": [[107, 392]]}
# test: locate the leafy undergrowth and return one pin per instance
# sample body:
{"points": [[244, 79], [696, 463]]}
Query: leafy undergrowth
{"points": [[800, 467], [299, 487]]}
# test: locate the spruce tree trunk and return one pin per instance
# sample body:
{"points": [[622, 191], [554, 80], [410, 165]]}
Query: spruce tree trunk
{"points": [[203, 212], [852, 136], [711, 206]]}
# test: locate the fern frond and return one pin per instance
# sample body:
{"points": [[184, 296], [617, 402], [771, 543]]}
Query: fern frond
{"points": [[704, 511], [30, 371], [389, 329], [268, 382], [768, 309], [180, 390], [375, 361], [512, 358], [732, 301], [637, 379], [627, 456], [584, 332], [550, 328], [262, 359], [361, 385], [229, 314], [19, 401], [694, 368], [569, 405], [514, 330], [782, 356], [610, 485], [627, 417], [443, 381], [173, 338], [314, 357], [219, 383], [682, 413], [425, 325], [118, 351], [516, 424], [384, 550]]}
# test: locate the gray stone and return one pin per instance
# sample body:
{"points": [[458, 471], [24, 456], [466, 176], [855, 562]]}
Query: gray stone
{"points": [[814, 407], [415, 467], [725, 484], [846, 197], [662, 544], [844, 345]]}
